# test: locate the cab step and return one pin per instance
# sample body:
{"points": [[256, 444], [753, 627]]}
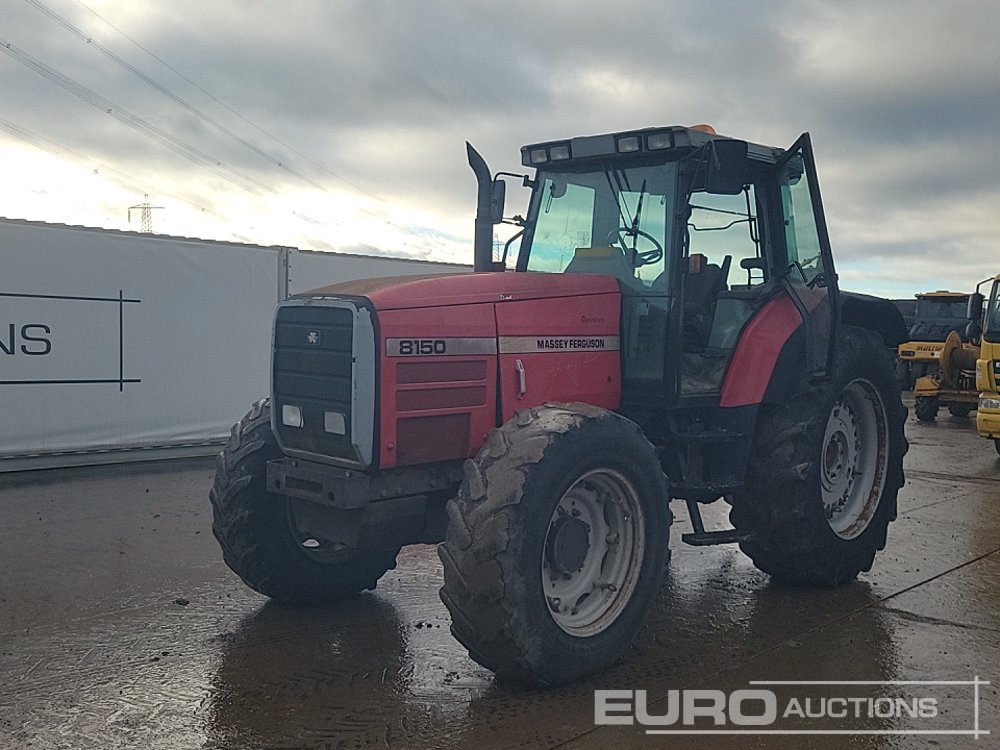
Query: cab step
{"points": [[722, 536], [701, 538]]}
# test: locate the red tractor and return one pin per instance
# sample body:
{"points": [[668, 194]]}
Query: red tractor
{"points": [[671, 328]]}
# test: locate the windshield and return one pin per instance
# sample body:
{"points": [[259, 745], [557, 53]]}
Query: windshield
{"points": [[940, 308], [993, 314], [610, 221]]}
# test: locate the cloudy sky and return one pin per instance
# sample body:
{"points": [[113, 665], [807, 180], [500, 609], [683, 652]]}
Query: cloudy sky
{"points": [[341, 125]]}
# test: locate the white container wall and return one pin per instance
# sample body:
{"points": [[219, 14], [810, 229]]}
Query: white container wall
{"points": [[117, 341]]}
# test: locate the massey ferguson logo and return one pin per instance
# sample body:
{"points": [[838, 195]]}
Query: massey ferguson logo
{"points": [[313, 338]]}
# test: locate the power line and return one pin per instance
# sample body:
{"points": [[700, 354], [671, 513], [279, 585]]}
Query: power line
{"points": [[223, 104], [120, 178], [62, 21], [125, 65], [244, 181], [251, 184]]}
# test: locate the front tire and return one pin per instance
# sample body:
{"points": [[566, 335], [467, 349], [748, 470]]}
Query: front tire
{"points": [[258, 534], [825, 470], [926, 408], [557, 544], [960, 411]]}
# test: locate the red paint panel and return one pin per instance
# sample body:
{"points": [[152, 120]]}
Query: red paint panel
{"points": [[464, 289], [440, 429], [439, 372], [757, 352], [593, 377], [425, 399], [424, 440]]}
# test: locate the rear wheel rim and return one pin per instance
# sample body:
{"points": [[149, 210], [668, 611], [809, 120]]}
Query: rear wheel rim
{"points": [[593, 552], [854, 459]]}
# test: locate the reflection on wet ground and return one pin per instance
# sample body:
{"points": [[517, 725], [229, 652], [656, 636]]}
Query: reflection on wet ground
{"points": [[120, 627]]}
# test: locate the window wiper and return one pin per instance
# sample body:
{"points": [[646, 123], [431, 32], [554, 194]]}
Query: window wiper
{"points": [[617, 195], [634, 230]]}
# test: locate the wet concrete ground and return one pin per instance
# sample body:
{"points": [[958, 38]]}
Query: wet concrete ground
{"points": [[121, 627]]}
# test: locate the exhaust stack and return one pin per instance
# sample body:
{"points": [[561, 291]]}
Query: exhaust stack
{"points": [[483, 244]]}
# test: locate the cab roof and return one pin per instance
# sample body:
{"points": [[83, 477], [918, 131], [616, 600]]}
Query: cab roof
{"points": [[942, 294], [644, 141]]}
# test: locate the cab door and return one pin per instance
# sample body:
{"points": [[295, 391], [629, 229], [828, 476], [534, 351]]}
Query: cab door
{"points": [[810, 278]]}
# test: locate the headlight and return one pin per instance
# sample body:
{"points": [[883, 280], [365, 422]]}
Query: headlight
{"points": [[656, 141], [628, 144], [559, 153], [334, 422], [989, 403], [538, 156], [291, 416]]}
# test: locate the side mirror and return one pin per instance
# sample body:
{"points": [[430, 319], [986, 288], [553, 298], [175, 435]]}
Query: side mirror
{"points": [[497, 199], [974, 308], [726, 167]]}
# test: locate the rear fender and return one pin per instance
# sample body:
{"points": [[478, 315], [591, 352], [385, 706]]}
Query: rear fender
{"points": [[875, 314], [769, 351]]}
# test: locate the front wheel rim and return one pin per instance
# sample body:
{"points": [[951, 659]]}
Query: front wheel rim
{"points": [[854, 459], [593, 552], [310, 542]]}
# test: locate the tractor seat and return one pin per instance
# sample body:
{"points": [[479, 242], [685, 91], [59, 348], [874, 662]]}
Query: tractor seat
{"points": [[703, 283], [606, 261]]}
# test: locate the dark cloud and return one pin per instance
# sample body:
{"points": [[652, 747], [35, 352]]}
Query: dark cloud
{"points": [[377, 98]]}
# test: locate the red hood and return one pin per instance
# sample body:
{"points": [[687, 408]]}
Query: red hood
{"points": [[396, 292]]}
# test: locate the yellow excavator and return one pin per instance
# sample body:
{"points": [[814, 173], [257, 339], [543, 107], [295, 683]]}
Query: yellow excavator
{"points": [[952, 385], [935, 315]]}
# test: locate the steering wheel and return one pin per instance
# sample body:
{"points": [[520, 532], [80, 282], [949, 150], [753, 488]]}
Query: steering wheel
{"points": [[644, 258]]}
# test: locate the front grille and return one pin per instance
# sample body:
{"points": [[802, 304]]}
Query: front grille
{"points": [[312, 369]]}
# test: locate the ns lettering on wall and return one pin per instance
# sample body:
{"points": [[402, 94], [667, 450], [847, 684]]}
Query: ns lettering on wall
{"points": [[50, 339]]}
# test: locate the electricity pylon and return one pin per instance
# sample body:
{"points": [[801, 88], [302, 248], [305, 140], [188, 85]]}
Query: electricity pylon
{"points": [[146, 215]]}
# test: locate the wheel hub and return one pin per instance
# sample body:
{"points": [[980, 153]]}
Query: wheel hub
{"points": [[568, 544], [840, 457], [854, 459], [836, 457]]}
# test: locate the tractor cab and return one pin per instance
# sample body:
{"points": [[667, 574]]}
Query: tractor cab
{"points": [[699, 231]]}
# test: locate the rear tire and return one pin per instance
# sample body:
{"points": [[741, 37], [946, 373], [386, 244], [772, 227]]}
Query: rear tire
{"points": [[825, 469], [996, 444], [557, 544], [960, 411], [926, 408], [258, 537]]}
